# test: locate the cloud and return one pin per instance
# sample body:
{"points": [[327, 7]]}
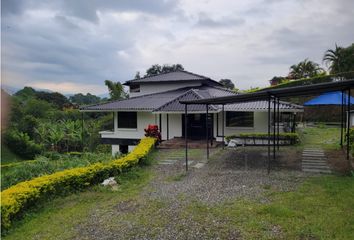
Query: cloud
{"points": [[75, 45]]}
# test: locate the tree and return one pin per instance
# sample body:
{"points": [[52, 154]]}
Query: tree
{"points": [[305, 69], [57, 99], [116, 90], [82, 99], [277, 80], [227, 83], [340, 59], [166, 68]]}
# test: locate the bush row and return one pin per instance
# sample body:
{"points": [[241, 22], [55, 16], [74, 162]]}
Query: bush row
{"points": [[283, 136], [19, 197]]}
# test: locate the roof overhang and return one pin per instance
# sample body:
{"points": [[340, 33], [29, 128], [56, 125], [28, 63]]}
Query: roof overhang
{"points": [[279, 93]]}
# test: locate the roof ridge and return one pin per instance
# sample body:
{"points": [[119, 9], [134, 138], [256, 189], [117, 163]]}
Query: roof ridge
{"points": [[226, 90], [176, 98], [212, 105], [158, 74]]}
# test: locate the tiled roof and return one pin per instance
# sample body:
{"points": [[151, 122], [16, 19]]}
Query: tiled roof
{"points": [[169, 101], [179, 76], [261, 105]]}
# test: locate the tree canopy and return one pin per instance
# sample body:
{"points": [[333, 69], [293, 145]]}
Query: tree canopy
{"points": [[166, 68], [116, 90], [340, 59], [82, 99], [227, 83], [305, 69]]}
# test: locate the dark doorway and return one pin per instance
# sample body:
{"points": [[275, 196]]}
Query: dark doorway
{"points": [[197, 125]]}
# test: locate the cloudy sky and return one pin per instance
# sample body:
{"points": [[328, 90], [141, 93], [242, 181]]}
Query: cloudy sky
{"points": [[74, 45]]}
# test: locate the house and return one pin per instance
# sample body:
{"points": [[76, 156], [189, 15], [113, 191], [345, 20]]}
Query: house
{"points": [[156, 100]]}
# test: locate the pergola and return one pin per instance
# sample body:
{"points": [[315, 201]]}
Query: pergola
{"points": [[273, 97]]}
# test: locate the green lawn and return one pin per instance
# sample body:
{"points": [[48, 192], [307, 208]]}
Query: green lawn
{"points": [[323, 208], [322, 135]]}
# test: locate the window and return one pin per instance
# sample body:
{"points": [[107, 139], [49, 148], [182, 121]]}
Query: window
{"points": [[134, 88], [239, 119], [127, 120]]}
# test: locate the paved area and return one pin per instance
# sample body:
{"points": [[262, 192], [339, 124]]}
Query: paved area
{"points": [[314, 160]]}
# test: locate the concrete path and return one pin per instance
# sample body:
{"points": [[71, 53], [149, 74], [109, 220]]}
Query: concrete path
{"points": [[172, 157], [314, 160]]}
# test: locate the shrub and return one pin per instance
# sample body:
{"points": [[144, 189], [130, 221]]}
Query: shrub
{"points": [[153, 131], [21, 196], [21, 144], [283, 136]]}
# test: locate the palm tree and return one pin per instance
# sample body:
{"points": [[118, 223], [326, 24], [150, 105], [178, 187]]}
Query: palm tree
{"points": [[116, 90], [305, 69], [334, 58]]}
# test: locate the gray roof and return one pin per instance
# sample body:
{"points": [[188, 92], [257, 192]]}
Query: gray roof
{"points": [[169, 101], [177, 76], [261, 106]]}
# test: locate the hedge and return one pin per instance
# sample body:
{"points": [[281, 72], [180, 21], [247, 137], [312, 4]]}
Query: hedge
{"points": [[19, 197], [282, 136]]}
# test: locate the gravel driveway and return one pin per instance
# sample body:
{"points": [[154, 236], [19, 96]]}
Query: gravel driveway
{"points": [[160, 211]]}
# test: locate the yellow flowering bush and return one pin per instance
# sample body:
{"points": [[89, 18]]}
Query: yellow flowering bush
{"points": [[17, 198]]}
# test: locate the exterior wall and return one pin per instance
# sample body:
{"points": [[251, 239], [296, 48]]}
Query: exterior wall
{"points": [[260, 125], [148, 88]]}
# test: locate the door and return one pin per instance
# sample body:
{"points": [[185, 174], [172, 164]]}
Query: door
{"points": [[196, 126]]}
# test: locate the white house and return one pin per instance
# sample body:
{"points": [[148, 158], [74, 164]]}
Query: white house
{"points": [[155, 100]]}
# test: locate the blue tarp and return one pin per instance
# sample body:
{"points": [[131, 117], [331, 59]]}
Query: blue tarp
{"points": [[331, 98]]}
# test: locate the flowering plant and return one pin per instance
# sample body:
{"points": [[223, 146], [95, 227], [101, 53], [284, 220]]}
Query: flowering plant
{"points": [[153, 131]]}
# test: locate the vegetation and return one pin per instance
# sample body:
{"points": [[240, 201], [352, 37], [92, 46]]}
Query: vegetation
{"points": [[17, 198], [116, 90], [320, 209], [283, 136], [82, 99], [227, 83], [305, 69], [340, 59], [166, 68], [14, 173], [42, 121], [321, 135]]}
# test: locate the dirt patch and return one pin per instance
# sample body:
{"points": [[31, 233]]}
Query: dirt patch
{"points": [[338, 162]]}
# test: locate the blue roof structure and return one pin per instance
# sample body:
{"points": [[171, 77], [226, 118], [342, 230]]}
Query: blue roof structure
{"points": [[330, 98]]}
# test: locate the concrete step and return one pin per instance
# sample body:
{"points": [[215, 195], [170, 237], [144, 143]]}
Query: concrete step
{"points": [[317, 171], [314, 154], [323, 165], [314, 158], [305, 168], [314, 162], [309, 166]]}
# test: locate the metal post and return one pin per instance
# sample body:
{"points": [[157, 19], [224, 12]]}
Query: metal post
{"points": [[278, 124], [274, 118], [223, 126], [207, 130], [160, 123], [269, 134], [167, 126], [82, 131], [348, 124], [342, 121], [185, 135]]}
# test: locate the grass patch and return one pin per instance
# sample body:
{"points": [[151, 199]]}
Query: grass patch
{"points": [[56, 219], [322, 135], [321, 209]]}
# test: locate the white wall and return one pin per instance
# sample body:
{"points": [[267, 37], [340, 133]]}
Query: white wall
{"points": [[260, 125], [148, 88]]}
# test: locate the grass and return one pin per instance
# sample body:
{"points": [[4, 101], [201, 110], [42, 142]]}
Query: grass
{"points": [[322, 208], [322, 135], [56, 219]]}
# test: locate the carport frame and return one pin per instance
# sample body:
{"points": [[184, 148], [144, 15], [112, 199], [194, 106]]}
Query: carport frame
{"points": [[275, 95]]}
